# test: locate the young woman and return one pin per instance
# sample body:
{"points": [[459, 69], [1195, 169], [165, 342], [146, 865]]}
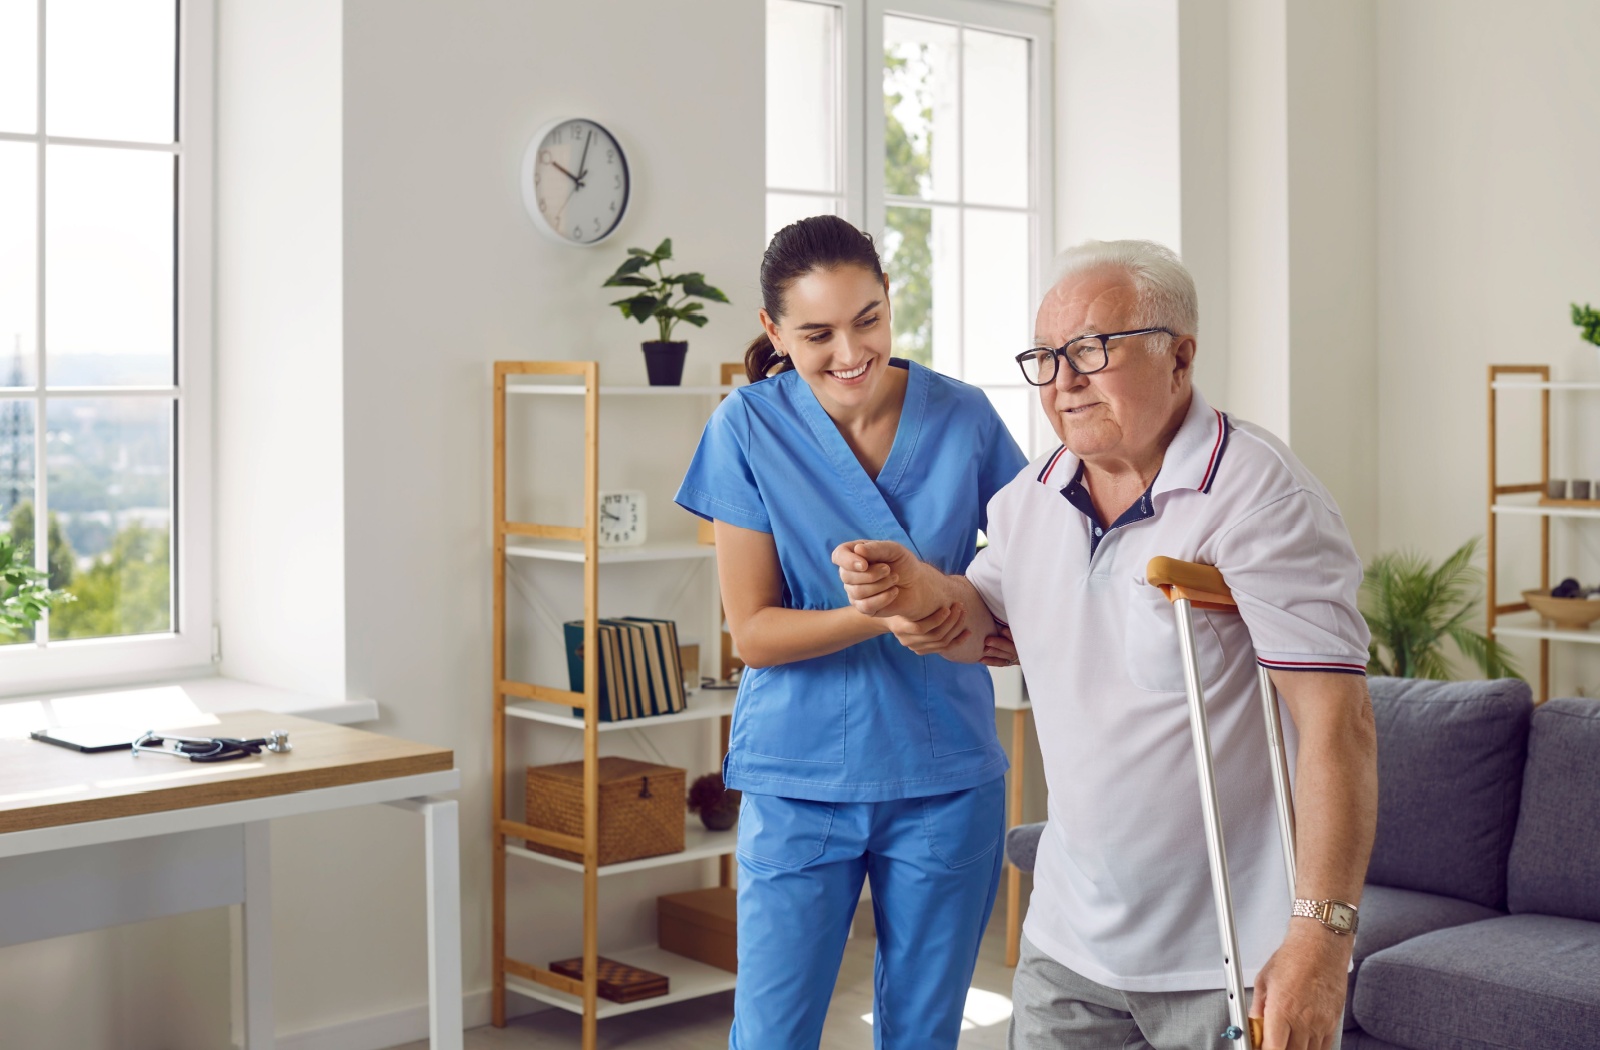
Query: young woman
{"points": [[858, 758]]}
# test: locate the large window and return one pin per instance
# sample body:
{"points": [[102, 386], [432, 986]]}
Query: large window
{"points": [[104, 321], [951, 156]]}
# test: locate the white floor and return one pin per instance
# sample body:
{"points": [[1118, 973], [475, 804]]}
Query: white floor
{"points": [[702, 1024]]}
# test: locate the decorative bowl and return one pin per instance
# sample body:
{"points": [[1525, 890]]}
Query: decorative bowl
{"points": [[1565, 612]]}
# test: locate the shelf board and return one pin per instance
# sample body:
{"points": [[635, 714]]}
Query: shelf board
{"points": [[1529, 625], [686, 979], [1548, 510], [576, 389], [1528, 384], [702, 705], [570, 551], [698, 844]]}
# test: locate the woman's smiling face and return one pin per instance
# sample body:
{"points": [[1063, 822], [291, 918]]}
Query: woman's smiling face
{"points": [[835, 331]]}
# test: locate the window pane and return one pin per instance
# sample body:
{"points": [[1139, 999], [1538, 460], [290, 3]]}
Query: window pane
{"points": [[108, 267], [16, 486], [110, 469], [996, 296], [110, 69], [1013, 404], [994, 105], [802, 96], [784, 208], [19, 65], [921, 147], [18, 261], [922, 253]]}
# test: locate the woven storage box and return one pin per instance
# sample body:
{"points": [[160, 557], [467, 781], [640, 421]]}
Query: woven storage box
{"points": [[642, 808], [701, 924]]}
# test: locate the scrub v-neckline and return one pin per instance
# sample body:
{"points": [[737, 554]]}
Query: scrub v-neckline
{"points": [[869, 492]]}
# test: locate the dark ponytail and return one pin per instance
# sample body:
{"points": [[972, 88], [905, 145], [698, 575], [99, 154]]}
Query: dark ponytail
{"points": [[822, 242]]}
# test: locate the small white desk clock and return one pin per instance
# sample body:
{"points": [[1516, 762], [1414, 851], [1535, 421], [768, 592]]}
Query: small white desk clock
{"points": [[622, 518]]}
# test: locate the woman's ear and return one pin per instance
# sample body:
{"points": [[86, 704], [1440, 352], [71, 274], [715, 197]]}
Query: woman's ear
{"points": [[769, 326]]}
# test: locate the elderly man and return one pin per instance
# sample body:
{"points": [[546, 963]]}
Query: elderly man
{"points": [[1120, 945]]}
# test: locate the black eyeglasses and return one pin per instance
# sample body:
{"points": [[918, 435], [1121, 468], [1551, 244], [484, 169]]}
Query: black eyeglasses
{"points": [[1086, 355]]}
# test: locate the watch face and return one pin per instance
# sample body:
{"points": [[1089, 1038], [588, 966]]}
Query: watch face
{"points": [[575, 181], [1341, 916], [622, 522]]}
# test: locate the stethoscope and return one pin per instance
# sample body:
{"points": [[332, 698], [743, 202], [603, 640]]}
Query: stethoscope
{"points": [[210, 748]]}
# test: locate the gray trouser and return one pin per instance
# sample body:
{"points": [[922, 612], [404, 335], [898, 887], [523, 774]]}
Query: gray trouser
{"points": [[1053, 1007]]}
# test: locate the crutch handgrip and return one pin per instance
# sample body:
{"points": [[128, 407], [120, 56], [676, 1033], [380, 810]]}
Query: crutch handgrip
{"points": [[1203, 585]]}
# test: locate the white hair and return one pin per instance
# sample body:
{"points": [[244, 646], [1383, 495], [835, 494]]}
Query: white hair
{"points": [[1160, 280]]}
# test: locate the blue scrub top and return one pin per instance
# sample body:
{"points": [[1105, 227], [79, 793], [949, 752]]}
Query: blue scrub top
{"points": [[874, 721]]}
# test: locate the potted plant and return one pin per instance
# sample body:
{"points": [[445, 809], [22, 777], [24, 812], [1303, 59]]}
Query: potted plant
{"points": [[1412, 606], [717, 805], [1588, 318], [653, 299], [25, 592]]}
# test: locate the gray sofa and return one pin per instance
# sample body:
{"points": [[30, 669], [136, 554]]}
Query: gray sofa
{"points": [[1480, 920]]}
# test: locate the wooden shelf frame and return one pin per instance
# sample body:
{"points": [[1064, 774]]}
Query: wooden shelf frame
{"points": [[1531, 378]]}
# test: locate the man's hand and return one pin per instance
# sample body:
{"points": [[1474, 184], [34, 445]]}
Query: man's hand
{"points": [[1299, 994], [933, 635], [998, 649], [882, 578]]}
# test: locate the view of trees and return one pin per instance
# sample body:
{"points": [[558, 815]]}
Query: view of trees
{"points": [[908, 237], [126, 589]]}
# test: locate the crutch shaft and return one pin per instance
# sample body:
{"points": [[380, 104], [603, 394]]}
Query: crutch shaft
{"points": [[1281, 790]]}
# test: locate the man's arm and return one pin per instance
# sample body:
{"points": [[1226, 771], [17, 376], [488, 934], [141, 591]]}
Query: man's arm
{"points": [[1300, 991], [883, 579]]}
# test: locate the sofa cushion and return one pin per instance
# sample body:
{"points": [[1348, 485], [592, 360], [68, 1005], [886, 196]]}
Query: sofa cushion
{"points": [[1555, 858], [1450, 758], [1359, 1040], [1022, 845], [1389, 916], [1518, 980]]}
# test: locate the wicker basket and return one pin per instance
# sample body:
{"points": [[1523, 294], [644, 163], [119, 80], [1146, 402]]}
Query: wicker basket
{"points": [[642, 808]]}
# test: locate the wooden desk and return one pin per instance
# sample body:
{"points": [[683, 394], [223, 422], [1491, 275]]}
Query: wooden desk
{"points": [[94, 840]]}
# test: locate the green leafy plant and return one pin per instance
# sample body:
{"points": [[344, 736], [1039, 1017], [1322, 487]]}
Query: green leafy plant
{"points": [[1587, 318], [25, 592], [1413, 606], [654, 298]]}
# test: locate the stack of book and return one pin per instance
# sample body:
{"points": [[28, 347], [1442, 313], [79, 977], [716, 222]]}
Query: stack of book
{"points": [[640, 672]]}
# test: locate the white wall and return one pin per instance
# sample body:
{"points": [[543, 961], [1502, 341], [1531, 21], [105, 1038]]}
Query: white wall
{"points": [[1488, 225]]}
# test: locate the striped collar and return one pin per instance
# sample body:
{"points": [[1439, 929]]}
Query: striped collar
{"points": [[1192, 461]]}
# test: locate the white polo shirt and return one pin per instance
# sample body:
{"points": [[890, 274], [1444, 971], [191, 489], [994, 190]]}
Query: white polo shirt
{"points": [[1122, 892]]}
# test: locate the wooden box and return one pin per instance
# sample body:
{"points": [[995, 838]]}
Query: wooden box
{"points": [[616, 981], [642, 807], [701, 925]]}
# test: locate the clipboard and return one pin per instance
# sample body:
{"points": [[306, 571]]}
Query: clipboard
{"points": [[89, 739]]}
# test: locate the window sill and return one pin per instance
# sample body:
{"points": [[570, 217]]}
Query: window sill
{"points": [[171, 705]]}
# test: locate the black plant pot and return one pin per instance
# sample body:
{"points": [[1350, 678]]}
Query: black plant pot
{"points": [[719, 819], [664, 362]]}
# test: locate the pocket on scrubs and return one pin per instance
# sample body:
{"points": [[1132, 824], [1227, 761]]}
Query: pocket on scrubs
{"points": [[785, 833], [795, 711], [1150, 643], [964, 827]]}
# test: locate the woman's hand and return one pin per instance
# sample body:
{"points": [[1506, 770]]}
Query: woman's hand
{"points": [[934, 634], [999, 650]]}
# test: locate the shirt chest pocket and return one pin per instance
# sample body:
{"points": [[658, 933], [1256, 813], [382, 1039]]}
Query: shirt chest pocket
{"points": [[1152, 655]]}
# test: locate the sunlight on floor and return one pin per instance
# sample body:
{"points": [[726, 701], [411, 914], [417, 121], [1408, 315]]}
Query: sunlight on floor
{"points": [[982, 1010]]}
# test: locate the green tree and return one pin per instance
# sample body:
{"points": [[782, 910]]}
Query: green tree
{"points": [[63, 560], [909, 230], [127, 590]]}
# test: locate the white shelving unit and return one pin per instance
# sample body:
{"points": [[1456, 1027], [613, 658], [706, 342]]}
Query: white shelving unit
{"points": [[564, 549]]}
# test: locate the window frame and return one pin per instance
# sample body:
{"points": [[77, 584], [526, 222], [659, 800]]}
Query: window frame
{"points": [[189, 649]]}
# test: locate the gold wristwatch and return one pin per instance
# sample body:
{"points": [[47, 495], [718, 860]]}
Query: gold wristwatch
{"points": [[1338, 916]]}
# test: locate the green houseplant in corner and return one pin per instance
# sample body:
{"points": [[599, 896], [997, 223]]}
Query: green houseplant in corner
{"points": [[25, 592], [1588, 318], [1413, 606], [666, 299]]}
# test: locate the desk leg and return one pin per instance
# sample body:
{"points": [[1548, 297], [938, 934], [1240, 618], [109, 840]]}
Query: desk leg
{"points": [[1019, 739], [256, 937], [444, 919]]}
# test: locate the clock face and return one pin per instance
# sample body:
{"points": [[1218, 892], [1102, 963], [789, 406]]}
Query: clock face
{"points": [[575, 181], [622, 522], [1341, 916]]}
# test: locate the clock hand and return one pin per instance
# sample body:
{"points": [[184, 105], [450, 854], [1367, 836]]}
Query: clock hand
{"points": [[568, 174], [608, 514], [583, 161]]}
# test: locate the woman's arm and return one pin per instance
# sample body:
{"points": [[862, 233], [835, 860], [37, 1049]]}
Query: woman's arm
{"points": [[752, 598]]}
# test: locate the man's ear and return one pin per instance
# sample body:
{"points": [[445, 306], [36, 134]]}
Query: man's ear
{"points": [[1183, 350]]}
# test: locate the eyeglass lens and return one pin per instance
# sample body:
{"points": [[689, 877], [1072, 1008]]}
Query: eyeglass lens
{"points": [[1039, 364]]}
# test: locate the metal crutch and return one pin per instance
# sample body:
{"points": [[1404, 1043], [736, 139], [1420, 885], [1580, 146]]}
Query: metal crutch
{"points": [[1192, 585]]}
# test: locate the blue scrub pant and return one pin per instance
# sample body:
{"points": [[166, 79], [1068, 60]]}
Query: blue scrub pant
{"points": [[934, 866]]}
